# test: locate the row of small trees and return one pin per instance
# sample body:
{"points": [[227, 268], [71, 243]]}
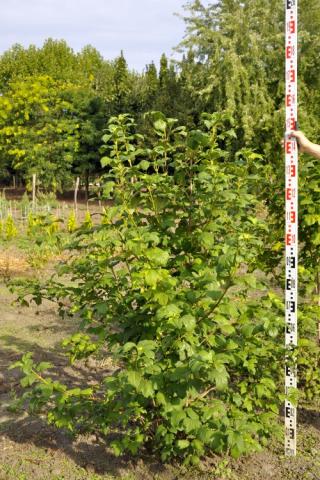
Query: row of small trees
{"points": [[55, 104], [36, 225]]}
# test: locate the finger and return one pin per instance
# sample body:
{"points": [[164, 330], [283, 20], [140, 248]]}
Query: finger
{"points": [[295, 134], [288, 135]]}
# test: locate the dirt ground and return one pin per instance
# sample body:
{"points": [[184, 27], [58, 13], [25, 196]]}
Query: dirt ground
{"points": [[30, 449]]}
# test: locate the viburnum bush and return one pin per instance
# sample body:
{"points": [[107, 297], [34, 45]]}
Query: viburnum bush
{"points": [[171, 284]]}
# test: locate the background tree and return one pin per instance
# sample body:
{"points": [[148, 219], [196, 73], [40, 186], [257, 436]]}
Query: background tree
{"points": [[38, 130], [121, 83], [152, 85], [239, 64], [85, 83], [90, 113], [238, 68]]}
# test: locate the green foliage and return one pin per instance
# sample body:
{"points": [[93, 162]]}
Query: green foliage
{"points": [[42, 226], [32, 223], [89, 109], [79, 346], [63, 100], [168, 283], [37, 130], [234, 65], [45, 239], [178, 281], [88, 220], [121, 82], [72, 222], [9, 229]]}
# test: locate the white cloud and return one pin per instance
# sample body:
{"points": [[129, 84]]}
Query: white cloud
{"points": [[142, 28]]}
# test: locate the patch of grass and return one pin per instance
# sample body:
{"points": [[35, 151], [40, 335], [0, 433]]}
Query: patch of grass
{"points": [[11, 473], [224, 471]]}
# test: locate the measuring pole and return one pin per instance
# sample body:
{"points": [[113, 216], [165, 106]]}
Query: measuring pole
{"points": [[291, 233]]}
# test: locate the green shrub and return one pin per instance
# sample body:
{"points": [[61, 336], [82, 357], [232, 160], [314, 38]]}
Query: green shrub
{"points": [[169, 284], [72, 222], [48, 200], [88, 220], [45, 240], [10, 229]]}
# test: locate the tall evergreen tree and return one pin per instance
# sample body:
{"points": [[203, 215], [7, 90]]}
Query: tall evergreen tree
{"points": [[121, 83], [163, 73], [152, 84], [238, 45]]}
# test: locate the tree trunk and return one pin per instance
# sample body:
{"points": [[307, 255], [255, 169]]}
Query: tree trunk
{"points": [[86, 180]]}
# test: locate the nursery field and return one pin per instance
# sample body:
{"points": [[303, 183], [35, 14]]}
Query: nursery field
{"points": [[29, 448], [149, 302], [148, 331]]}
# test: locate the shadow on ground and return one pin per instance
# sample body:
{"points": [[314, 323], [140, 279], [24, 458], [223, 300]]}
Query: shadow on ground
{"points": [[310, 416], [25, 433], [30, 449]]}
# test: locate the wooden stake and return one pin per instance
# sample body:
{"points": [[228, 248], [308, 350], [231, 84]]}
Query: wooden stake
{"points": [[76, 194], [34, 185]]}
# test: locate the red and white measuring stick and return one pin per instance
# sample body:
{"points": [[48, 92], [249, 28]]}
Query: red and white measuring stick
{"points": [[291, 234]]}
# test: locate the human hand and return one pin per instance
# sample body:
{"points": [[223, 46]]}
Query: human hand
{"points": [[303, 142]]}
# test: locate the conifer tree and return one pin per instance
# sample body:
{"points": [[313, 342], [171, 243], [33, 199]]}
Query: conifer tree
{"points": [[121, 83], [152, 84], [239, 64]]}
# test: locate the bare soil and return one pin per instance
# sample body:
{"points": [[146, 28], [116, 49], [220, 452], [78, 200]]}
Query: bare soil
{"points": [[30, 449]]}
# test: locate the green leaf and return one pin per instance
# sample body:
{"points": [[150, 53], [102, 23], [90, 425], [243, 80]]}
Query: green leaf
{"points": [[238, 449], [106, 138], [128, 347], [144, 165], [220, 376], [168, 311], [41, 367], [191, 424], [247, 330], [152, 277], [293, 396], [205, 435], [177, 417], [106, 161], [196, 139], [161, 297], [28, 380], [227, 329], [108, 188], [146, 388], [161, 399], [214, 294], [157, 256], [189, 322], [160, 125], [316, 238], [134, 378], [183, 444], [207, 240], [117, 448]]}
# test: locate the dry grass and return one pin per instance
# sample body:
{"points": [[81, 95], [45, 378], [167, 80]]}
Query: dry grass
{"points": [[12, 262]]}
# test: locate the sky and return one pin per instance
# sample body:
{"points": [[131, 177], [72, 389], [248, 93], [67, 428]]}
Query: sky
{"points": [[143, 29]]}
